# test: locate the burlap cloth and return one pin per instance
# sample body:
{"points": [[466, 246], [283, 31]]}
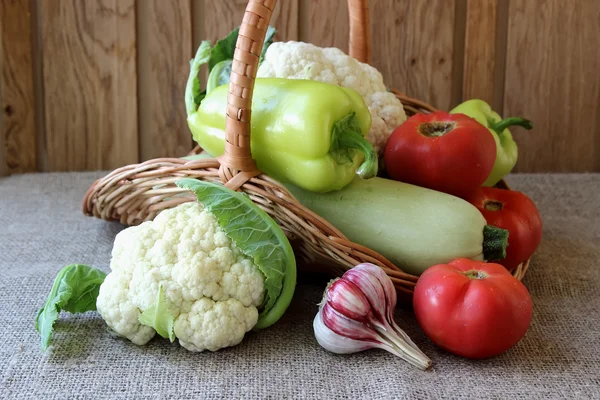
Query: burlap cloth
{"points": [[42, 229]]}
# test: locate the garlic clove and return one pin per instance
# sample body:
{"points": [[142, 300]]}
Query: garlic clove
{"points": [[373, 282], [348, 299], [335, 343], [371, 288], [347, 327], [384, 280], [388, 289], [335, 333], [356, 314]]}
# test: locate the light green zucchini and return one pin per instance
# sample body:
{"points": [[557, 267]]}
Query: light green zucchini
{"points": [[411, 226]]}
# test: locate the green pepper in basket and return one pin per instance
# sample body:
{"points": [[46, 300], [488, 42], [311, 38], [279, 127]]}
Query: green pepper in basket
{"points": [[307, 133], [506, 148]]}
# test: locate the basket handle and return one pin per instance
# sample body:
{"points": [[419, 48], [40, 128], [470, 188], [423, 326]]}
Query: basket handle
{"points": [[360, 30], [237, 165]]}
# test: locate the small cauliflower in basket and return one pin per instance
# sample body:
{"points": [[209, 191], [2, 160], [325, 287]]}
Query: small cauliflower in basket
{"points": [[299, 60]]}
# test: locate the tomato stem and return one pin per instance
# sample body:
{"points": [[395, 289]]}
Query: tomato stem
{"points": [[474, 274], [436, 129], [493, 205]]}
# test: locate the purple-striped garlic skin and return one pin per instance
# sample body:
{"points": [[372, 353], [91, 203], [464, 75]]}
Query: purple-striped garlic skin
{"points": [[356, 314], [344, 326], [371, 288], [348, 299], [385, 281], [334, 342]]}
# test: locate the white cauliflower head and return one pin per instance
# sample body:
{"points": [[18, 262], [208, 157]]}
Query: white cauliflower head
{"points": [[299, 60], [211, 288]]}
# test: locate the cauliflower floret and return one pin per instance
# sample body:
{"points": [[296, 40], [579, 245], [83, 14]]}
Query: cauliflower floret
{"points": [[211, 288], [299, 60], [213, 325]]}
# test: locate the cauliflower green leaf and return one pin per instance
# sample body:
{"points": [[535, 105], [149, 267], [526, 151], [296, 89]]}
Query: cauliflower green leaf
{"points": [[219, 59], [158, 316], [258, 236], [193, 94], [224, 49], [75, 290]]}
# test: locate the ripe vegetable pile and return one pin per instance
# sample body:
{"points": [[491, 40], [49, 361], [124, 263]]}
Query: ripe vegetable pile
{"points": [[208, 272]]}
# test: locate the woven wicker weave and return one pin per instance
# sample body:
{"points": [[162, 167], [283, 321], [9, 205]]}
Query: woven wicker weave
{"points": [[137, 193]]}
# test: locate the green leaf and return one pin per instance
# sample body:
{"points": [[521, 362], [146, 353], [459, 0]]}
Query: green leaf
{"points": [[223, 49], [221, 53], [193, 94], [75, 290], [159, 317], [258, 237], [199, 95], [271, 31]]}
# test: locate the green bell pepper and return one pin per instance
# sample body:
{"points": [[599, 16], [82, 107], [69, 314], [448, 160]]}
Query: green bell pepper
{"points": [[506, 148], [308, 133]]}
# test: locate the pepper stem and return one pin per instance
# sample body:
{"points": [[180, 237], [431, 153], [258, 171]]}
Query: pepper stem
{"points": [[500, 126], [495, 242], [348, 135]]}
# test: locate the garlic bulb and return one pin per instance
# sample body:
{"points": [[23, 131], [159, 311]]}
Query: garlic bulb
{"points": [[356, 314]]}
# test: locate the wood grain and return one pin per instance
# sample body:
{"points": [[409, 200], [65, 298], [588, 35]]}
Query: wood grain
{"points": [[413, 47], [89, 75], [221, 17], [3, 164], [480, 54], [417, 64], [552, 78], [90, 84], [325, 23], [17, 129], [165, 48]]}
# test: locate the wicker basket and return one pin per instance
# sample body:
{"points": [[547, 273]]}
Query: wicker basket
{"points": [[137, 193]]}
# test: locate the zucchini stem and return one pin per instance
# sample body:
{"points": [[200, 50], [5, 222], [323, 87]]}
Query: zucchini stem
{"points": [[495, 242]]}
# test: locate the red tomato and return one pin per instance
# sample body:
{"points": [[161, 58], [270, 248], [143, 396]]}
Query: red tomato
{"points": [[451, 153], [515, 212], [471, 308]]}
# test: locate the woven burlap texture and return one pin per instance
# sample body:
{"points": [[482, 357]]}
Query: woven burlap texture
{"points": [[42, 229]]}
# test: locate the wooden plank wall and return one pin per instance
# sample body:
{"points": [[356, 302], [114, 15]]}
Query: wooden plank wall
{"points": [[96, 84], [17, 116]]}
